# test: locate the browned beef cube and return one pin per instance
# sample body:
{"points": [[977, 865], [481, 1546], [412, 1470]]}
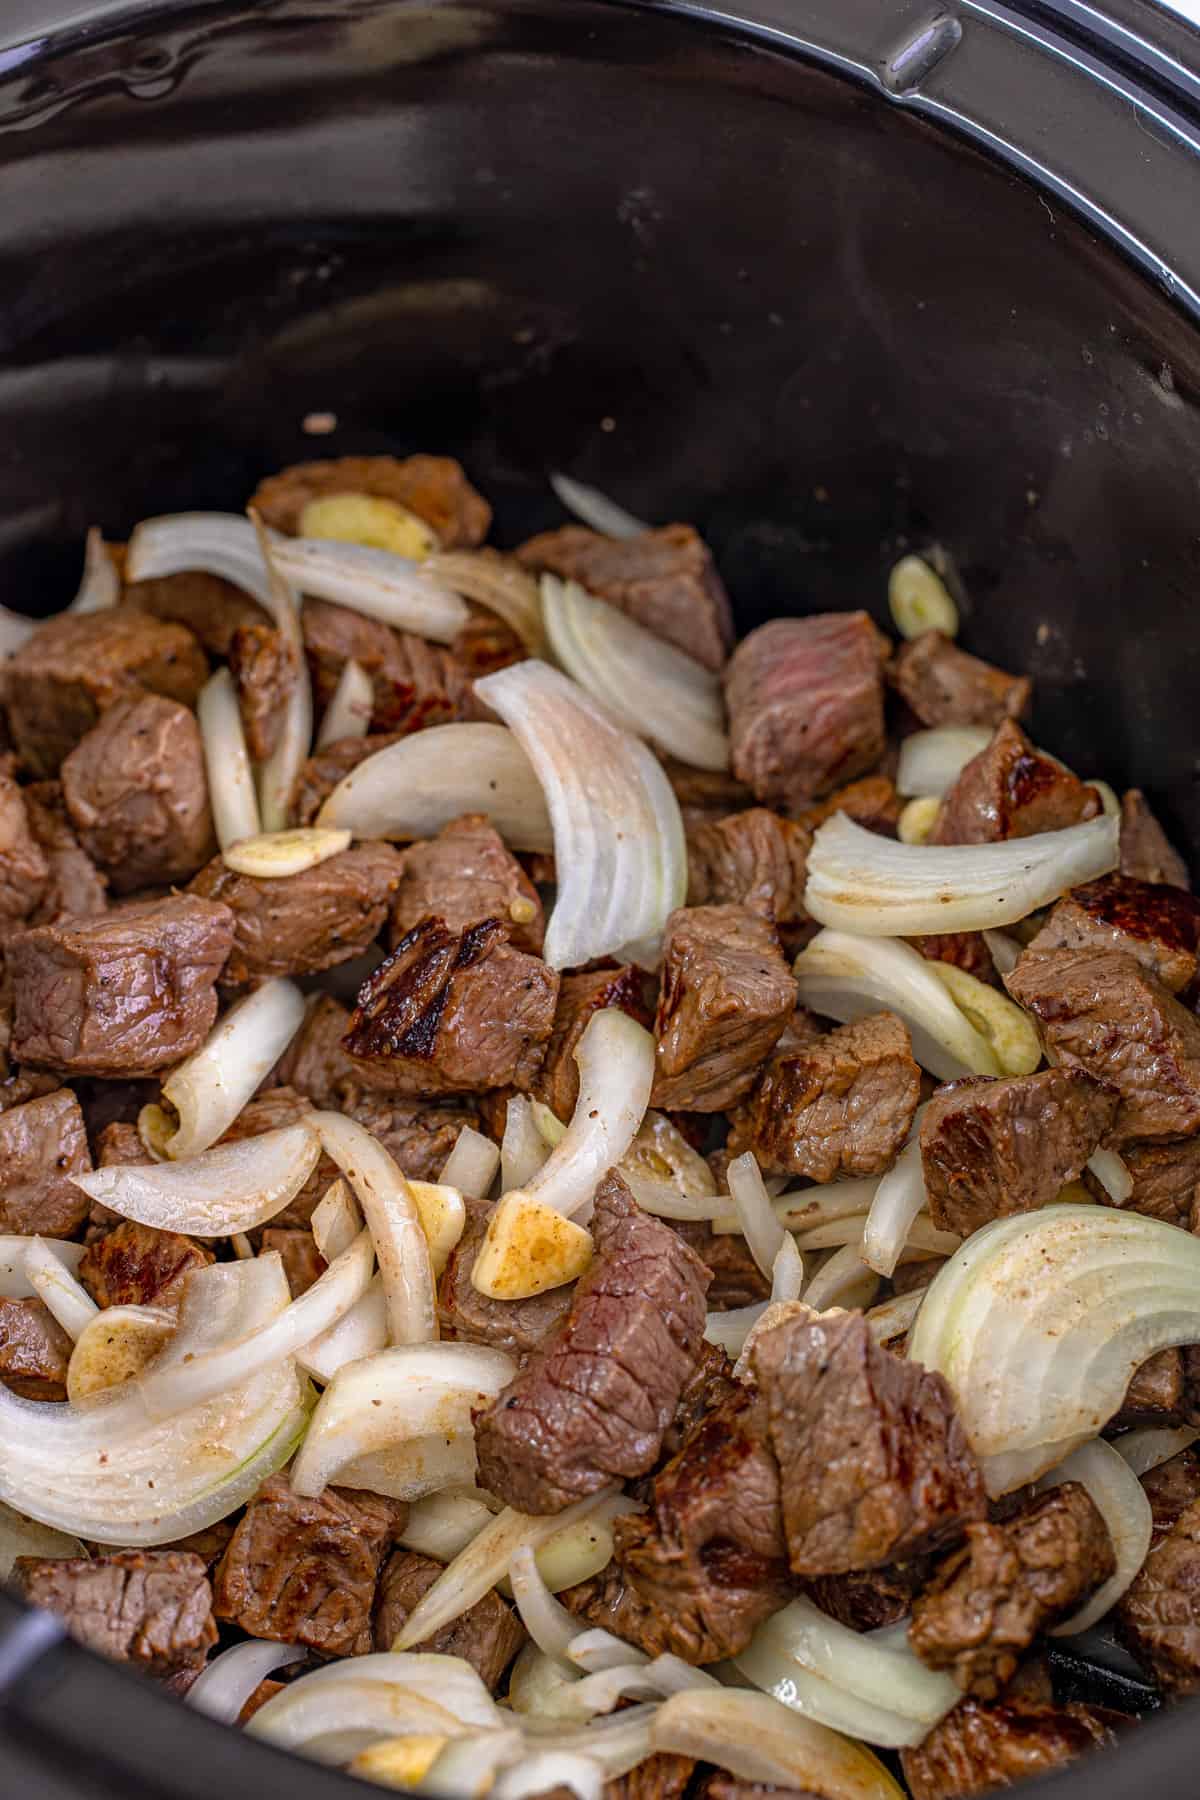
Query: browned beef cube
{"points": [[300, 924], [518, 1326], [1159, 1615], [709, 1386], [304, 1571], [737, 1279], [211, 608], [433, 487], [593, 1404], [962, 950], [1171, 1488], [416, 683], [705, 795], [75, 665], [1146, 852], [805, 700], [665, 1776], [314, 1063], [42, 1144], [579, 996], [1166, 1181], [1156, 1393], [486, 643], [610, 1602], [123, 995], [1010, 790], [665, 579], [1158, 925], [875, 1465], [453, 1012], [135, 1265], [989, 1600], [209, 1544], [329, 765], [23, 869], [868, 1599], [1101, 1011], [34, 1350], [488, 1635], [841, 1106], [945, 686], [263, 666], [726, 995], [137, 793], [463, 875], [419, 1137], [302, 1261], [754, 859], [152, 1608], [977, 1749], [871, 802], [75, 887], [990, 1148]]}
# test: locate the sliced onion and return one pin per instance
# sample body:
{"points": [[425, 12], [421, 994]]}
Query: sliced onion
{"points": [[231, 791], [1145, 1450], [803, 1209], [845, 1280], [541, 1770], [334, 1712], [348, 714], [20, 1536], [278, 775], [757, 1739], [931, 761], [472, 1164], [552, 1628], [594, 508], [394, 1221], [504, 587], [1124, 1505], [209, 1089], [377, 583], [100, 587], [583, 1547], [1112, 1172], [615, 1056], [761, 1229], [58, 1288], [619, 846], [523, 1148], [898, 1199], [893, 1318], [444, 1524], [402, 1394], [924, 1237], [273, 855], [1004, 951], [466, 1768], [14, 1276], [617, 1743], [665, 1175], [877, 886], [415, 1470], [361, 1332], [234, 1187], [845, 977], [651, 688], [336, 1220], [413, 788], [225, 1684], [223, 544]]}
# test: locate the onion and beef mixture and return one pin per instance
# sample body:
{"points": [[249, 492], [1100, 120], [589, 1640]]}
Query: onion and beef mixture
{"points": [[587, 1209]]}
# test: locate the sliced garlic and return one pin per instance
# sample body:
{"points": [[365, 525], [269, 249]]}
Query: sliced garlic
{"points": [[919, 599], [918, 819], [368, 519], [273, 854], [529, 1247], [443, 1218], [1009, 1031], [400, 1762], [115, 1346], [1108, 797]]}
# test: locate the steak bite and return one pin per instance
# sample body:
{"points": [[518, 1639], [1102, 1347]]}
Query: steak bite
{"points": [[1158, 926], [1147, 853], [152, 1608], [1158, 1616], [314, 1063], [944, 686], [453, 1012], [842, 1105], [329, 765], [1160, 1392], [990, 1148], [488, 1635], [34, 1350], [875, 1466], [579, 996], [869, 1599], [264, 668], [210, 607], [1171, 1487], [303, 1571], [123, 995], [74, 666], [665, 579], [24, 872], [75, 887], [302, 1261], [737, 1279], [592, 1405], [977, 1749], [42, 1144], [434, 487], [519, 1326], [1101, 1011], [726, 995], [137, 1265], [1010, 790], [137, 793], [871, 802], [805, 700], [417, 1136], [300, 924], [755, 859], [463, 875], [1166, 1181], [990, 1599], [416, 683]]}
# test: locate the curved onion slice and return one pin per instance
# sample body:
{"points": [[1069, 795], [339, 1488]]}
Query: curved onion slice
{"points": [[444, 1524], [278, 775], [408, 1392], [224, 544], [615, 1057], [618, 835], [360, 1332], [394, 1220], [843, 977], [334, 1712], [650, 687], [226, 1683], [931, 762], [552, 1628], [466, 1768], [1005, 951], [845, 1280], [877, 886], [348, 714], [58, 1289], [209, 1089], [20, 1536], [757, 1739], [499, 583], [1124, 1505], [413, 788], [665, 1175], [1040, 1320], [101, 585], [523, 1148], [540, 1686], [273, 854], [763, 1233], [336, 1220], [14, 1274], [617, 1743], [414, 1470], [898, 1199], [114, 1346], [375, 582], [232, 1188], [231, 789], [472, 1164], [892, 1318], [1146, 1449], [540, 1771], [594, 508], [1112, 1172]]}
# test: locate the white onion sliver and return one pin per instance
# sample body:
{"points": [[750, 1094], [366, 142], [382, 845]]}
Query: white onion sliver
{"points": [[845, 1280], [761, 1229], [20, 1536], [472, 1164], [595, 509], [14, 1275], [375, 582], [598, 1649], [1112, 1172], [615, 1056], [1145, 1449], [233, 1187], [336, 1220], [445, 1523], [552, 1628], [394, 1222], [231, 791], [497, 582], [787, 1272], [1005, 951], [416, 1469], [890, 1676], [58, 1288], [100, 586], [209, 1089], [931, 761], [898, 1199], [360, 1332], [466, 1768], [541, 1770], [224, 544], [225, 1684], [523, 1149], [757, 1739], [277, 776], [1124, 1505], [892, 1318], [362, 1699], [348, 714]]}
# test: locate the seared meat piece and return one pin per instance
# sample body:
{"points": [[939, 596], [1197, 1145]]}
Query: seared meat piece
{"points": [[123, 995], [416, 683], [34, 1350], [42, 1144], [1158, 1393], [977, 1749], [1101, 1011], [24, 872], [609, 1601], [944, 686], [486, 643], [304, 1571], [868, 1599], [871, 802], [705, 795], [1171, 1488], [710, 1386], [726, 995], [1159, 1615], [137, 793], [518, 1326], [662, 1776], [75, 665], [841, 1106], [488, 1635], [135, 1265], [579, 996], [209, 1544], [989, 1600], [664, 579], [263, 666], [1166, 1181], [433, 487], [989, 1148], [453, 1012], [1010, 790], [805, 700], [302, 1261], [737, 1279], [593, 1403], [1146, 852], [329, 765], [463, 875], [754, 859], [148, 1607], [75, 887], [962, 950], [874, 1463], [1159, 926], [211, 608], [299, 924], [417, 1136], [314, 1063]]}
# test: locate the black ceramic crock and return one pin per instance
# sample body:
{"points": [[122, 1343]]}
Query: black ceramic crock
{"points": [[833, 278]]}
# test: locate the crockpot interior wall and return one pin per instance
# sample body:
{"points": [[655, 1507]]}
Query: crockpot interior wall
{"points": [[718, 283]]}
